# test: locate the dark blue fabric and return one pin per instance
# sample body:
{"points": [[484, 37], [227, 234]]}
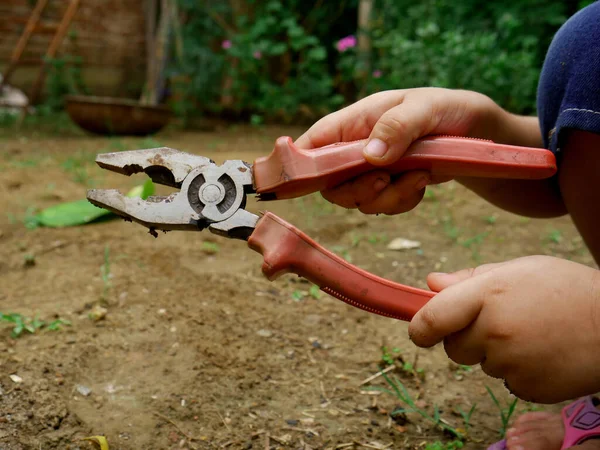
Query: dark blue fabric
{"points": [[569, 87]]}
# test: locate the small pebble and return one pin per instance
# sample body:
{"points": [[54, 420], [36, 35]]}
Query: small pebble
{"points": [[84, 390], [98, 313], [16, 378], [265, 333], [403, 244]]}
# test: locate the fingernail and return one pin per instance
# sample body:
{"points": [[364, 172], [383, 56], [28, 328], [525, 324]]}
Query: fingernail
{"points": [[379, 185], [422, 183], [376, 148], [511, 432]]}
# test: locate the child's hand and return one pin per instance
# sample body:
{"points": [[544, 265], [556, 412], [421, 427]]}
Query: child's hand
{"points": [[392, 120], [533, 321]]}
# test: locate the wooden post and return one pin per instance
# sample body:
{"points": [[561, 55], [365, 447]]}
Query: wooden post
{"points": [[151, 7], [23, 40], [365, 7], [53, 48]]}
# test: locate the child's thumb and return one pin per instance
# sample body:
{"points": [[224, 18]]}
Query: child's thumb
{"points": [[395, 131]]}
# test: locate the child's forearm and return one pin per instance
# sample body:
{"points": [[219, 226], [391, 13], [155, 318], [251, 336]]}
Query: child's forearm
{"points": [[524, 197], [540, 199]]}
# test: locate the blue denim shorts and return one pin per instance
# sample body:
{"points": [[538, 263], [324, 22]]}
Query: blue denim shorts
{"points": [[568, 94]]}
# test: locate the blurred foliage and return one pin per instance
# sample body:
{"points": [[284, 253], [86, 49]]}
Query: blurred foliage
{"points": [[496, 48], [260, 58], [270, 59], [291, 60]]}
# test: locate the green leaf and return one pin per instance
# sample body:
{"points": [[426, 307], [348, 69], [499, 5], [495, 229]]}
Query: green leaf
{"points": [[81, 211], [317, 53], [278, 48], [315, 292]]}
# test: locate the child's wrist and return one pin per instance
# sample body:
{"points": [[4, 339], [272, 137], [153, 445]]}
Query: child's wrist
{"points": [[503, 127]]}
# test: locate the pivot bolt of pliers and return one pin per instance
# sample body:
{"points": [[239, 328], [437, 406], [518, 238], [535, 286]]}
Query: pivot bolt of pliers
{"points": [[211, 193]]}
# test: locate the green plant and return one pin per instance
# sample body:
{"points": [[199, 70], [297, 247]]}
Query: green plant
{"points": [[210, 248], [22, 324], [273, 59], [450, 228], [454, 445], [466, 416], [64, 78], [506, 412], [474, 244], [476, 45], [372, 239], [270, 58], [554, 236], [387, 356], [29, 260], [315, 292], [30, 221], [401, 393], [76, 166]]}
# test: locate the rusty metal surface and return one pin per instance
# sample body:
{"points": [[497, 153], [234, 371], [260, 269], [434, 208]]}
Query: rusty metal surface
{"points": [[211, 196], [164, 165]]}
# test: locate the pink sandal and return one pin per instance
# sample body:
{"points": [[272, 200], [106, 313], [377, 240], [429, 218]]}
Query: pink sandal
{"points": [[582, 422]]}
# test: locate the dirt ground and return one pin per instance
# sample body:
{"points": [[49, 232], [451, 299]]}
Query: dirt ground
{"points": [[196, 349]]}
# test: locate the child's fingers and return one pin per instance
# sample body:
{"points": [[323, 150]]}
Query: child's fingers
{"points": [[362, 190], [449, 312], [375, 193], [369, 186], [438, 281], [352, 123], [466, 346], [402, 195]]}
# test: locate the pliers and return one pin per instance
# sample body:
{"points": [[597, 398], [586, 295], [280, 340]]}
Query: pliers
{"points": [[214, 196]]}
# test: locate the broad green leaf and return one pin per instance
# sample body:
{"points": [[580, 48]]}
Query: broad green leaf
{"points": [[81, 211]]}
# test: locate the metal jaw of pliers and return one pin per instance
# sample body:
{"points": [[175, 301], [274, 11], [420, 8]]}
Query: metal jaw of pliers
{"points": [[210, 196], [214, 196]]}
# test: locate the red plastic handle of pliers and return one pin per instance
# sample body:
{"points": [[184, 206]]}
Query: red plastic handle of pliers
{"points": [[290, 172], [286, 249]]}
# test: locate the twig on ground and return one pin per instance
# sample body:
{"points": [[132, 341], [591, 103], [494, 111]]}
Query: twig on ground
{"points": [[376, 447], [223, 420], [378, 374], [279, 440], [322, 386], [302, 430]]}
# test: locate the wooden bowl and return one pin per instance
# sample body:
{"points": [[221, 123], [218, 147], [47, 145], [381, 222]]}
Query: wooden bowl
{"points": [[116, 116]]}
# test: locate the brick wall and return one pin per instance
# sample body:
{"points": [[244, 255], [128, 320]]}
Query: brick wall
{"points": [[107, 34]]}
